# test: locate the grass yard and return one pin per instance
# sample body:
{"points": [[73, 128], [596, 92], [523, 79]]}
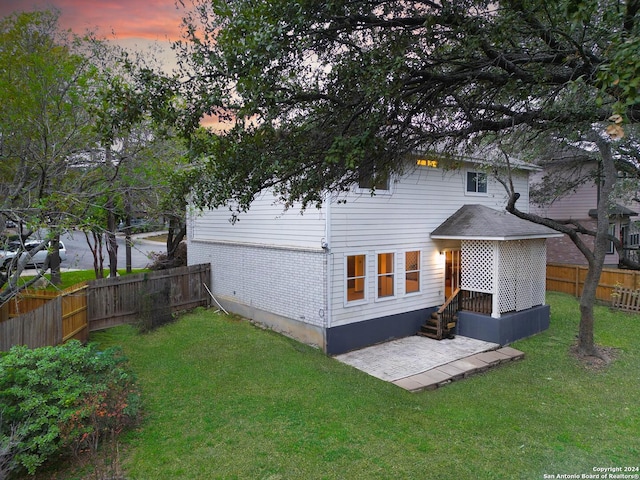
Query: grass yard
{"points": [[73, 277], [225, 399]]}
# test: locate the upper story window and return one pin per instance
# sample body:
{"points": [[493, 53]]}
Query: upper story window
{"points": [[374, 182], [370, 179], [477, 182]]}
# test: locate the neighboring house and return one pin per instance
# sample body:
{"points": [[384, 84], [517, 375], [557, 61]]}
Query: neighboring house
{"points": [[580, 205], [376, 267]]}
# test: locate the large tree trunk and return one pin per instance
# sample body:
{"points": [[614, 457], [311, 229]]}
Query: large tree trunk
{"points": [[54, 261], [608, 177], [176, 234], [595, 257]]}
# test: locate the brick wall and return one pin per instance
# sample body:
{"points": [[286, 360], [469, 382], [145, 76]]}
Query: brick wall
{"points": [[286, 282], [563, 250]]}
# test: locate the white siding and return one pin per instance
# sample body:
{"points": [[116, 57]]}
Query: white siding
{"points": [[266, 223], [396, 223]]}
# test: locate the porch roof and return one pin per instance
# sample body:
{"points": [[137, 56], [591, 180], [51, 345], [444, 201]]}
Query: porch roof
{"points": [[616, 210], [477, 222]]}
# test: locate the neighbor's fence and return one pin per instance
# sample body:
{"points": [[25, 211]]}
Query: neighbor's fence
{"points": [[626, 299], [570, 279], [38, 318]]}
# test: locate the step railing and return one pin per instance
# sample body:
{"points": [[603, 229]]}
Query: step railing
{"points": [[447, 312], [477, 302]]}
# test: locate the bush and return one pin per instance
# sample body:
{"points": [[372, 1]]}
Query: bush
{"points": [[61, 400]]}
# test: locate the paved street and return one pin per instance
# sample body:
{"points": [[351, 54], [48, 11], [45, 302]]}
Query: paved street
{"points": [[79, 255]]}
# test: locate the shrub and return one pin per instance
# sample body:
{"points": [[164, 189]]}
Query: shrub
{"points": [[60, 400]]}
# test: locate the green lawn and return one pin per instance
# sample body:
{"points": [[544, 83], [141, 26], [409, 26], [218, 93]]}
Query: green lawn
{"points": [[73, 277], [225, 399]]}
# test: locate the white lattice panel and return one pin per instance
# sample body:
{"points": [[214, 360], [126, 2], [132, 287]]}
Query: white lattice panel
{"points": [[508, 272], [522, 272], [477, 265], [538, 270]]}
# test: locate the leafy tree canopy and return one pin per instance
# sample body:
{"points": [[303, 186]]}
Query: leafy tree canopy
{"points": [[322, 90]]}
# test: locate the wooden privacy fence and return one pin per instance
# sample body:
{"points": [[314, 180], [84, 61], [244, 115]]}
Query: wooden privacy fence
{"points": [[39, 318], [114, 301], [570, 279]]}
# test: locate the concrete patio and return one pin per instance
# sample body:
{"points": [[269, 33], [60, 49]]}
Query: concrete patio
{"points": [[418, 363]]}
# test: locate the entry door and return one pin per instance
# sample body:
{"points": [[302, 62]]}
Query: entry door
{"points": [[451, 272]]}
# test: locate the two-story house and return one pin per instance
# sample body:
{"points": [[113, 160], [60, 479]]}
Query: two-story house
{"points": [[363, 268]]}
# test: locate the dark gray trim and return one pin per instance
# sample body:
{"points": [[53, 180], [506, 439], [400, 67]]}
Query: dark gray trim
{"points": [[353, 336], [506, 329]]}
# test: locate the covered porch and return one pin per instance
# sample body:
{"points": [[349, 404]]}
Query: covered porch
{"points": [[502, 276]]}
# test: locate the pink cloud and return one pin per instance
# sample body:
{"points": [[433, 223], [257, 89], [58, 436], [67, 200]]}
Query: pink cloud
{"points": [[149, 19]]}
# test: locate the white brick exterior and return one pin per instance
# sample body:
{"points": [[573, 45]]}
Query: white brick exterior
{"points": [[286, 282]]}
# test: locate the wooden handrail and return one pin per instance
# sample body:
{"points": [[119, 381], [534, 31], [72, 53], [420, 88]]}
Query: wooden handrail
{"points": [[449, 300]]}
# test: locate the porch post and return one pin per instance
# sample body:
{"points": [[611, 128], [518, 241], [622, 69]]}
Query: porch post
{"points": [[495, 294]]}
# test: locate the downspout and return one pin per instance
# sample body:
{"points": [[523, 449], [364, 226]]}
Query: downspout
{"points": [[328, 258]]}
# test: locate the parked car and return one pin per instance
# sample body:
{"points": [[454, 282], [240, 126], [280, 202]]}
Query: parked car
{"points": [[12, 248]]}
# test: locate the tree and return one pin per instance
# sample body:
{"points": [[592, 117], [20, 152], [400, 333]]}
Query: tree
{"points": [[136, 120], [45, 88], [320, 91]]}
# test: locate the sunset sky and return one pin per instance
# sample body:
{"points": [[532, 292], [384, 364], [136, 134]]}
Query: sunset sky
{"points": [[156, 20], [132, 24]]}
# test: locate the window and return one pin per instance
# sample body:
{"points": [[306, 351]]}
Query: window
{"points": [[612, 231], [371, 180], [385, 275], [476, 182], [412, 272], [356, 276]]}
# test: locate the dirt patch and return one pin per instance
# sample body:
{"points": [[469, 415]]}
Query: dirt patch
{"points": [[602, 358]]}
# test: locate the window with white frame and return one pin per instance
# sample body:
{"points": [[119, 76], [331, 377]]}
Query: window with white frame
{"points": [[386, 276], [356, 277], [412, 272], [476, 182]]}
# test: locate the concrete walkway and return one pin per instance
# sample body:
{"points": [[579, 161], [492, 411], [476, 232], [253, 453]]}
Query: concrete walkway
{"points": [[418, 363]]}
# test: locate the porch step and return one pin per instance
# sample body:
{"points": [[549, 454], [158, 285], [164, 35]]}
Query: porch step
{"points": [[431, 326]]}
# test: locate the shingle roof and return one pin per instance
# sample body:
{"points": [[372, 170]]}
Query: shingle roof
{"points": [[616, 210], [477, 222]]}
